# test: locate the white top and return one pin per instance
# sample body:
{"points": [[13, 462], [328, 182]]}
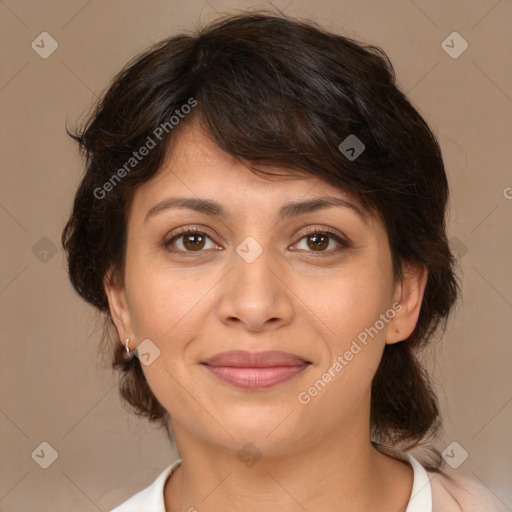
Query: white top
{"points": [[431, 492]]}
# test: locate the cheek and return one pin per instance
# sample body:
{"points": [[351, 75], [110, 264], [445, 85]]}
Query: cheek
{"points": [[165, 311], [350, 309], [351, 304], [162, 300], [168, 309], [354, 339]]}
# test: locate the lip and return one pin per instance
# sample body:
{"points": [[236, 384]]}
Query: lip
{"points": [[255, 370]]}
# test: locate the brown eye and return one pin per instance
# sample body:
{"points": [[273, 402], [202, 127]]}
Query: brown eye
{"points": [[193, 241], [318, 241], [190, 240]]}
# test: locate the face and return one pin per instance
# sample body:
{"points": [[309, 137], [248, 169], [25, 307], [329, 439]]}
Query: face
{"points": [[268, 267]]}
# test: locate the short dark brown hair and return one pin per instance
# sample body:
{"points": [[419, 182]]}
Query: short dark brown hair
{"points": [[276, 91]]}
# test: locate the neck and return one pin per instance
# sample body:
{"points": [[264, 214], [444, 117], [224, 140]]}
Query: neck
{"points": [[342, 472]]}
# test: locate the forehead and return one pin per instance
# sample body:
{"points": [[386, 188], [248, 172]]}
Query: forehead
{"points": [[195, 166]]}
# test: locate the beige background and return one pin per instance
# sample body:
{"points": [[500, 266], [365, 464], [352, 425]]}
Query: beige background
{"points": [[54, 389]]}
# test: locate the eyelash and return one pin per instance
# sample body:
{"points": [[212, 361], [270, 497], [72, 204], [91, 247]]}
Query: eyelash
{"points": [[343, 244]]}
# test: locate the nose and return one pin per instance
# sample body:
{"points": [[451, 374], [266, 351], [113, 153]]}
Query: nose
{"points": [[254, 296]]}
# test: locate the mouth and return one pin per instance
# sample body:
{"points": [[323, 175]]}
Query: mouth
{"points": [[255, 370]]}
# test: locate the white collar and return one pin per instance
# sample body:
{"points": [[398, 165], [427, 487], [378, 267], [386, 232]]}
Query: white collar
{"points": [[421, 494]]}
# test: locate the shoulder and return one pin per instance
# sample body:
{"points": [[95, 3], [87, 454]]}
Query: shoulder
{"points": [[461, 494]]}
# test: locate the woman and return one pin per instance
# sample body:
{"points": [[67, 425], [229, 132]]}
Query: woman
{"points": [[262, 219]]}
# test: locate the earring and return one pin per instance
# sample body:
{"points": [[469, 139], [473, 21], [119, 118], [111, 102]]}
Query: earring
{"points": [[127, 347]]}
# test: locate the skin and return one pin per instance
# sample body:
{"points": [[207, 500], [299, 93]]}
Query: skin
{"points": [[294, 297]]}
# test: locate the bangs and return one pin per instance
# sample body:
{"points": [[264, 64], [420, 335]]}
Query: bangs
{"points": [[277, 104]]}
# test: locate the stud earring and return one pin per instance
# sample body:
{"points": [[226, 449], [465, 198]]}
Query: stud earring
{"points": [[127, 347]]}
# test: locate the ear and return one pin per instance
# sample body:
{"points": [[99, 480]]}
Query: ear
{"points": [[118, 307], [408, 299]]}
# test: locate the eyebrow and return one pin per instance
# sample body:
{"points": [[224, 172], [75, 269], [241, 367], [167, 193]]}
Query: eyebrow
{"points": [[288, 210]]}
